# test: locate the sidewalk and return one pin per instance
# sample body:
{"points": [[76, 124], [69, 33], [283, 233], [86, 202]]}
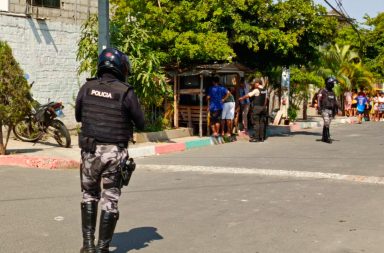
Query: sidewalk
{"points": [[48, 155], [317, 121]]}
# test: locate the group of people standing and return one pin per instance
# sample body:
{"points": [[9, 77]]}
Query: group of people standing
{"points": [[226, 107], [363, 105]]}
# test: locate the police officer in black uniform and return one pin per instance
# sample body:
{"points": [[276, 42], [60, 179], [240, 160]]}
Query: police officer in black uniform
{"points": [[259, 115], [108, 108], [327, 105]]}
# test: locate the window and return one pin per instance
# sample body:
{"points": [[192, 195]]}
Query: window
{"points": [[45, 3]]}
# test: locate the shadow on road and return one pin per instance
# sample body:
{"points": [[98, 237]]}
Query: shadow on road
{"points": [[333, 140], [22, 151], [136, 238], [306, 133], [291, 134]]}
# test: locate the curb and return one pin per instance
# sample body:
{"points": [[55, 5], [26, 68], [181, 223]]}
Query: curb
{"points": [[38, 162], [169, 148], [297, 126], [306, 125], [158, 149], [43, 162]]}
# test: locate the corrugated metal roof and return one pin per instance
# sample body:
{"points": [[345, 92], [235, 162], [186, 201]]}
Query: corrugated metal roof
{"points": [[209, 69]]}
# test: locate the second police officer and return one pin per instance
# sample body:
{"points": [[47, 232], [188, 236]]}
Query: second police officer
{"points": [[107, 108], [327, 104], [258, 97]]}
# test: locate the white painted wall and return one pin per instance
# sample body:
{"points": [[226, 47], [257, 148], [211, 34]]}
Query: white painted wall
{"points": [[46, 51], [4, 5]]}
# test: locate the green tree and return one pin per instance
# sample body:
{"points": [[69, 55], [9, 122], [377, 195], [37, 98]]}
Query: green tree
{"points": [[345, 64], [174, 34], [374, 57], [269, 34], [257, 33], [182, 33], [14, 89], [148, 79], [301, 79], [368, 40]]}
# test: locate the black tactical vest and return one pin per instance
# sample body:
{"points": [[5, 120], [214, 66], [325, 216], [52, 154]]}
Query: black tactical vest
{"points": [[102, 114], [328, 100], [260, 100]]}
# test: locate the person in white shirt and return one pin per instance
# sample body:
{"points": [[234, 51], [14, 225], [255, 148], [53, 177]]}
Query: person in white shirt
{"points": [[259, 100]]}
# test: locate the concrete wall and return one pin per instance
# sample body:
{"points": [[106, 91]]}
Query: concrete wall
{"points": [[70, 11], [44, 42], [46, 51]]}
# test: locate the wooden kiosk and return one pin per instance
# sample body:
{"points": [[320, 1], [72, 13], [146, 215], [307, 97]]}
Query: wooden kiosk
{"points": [[190, 103]]}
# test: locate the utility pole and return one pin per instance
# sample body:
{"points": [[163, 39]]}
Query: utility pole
{"points": [[103, 8]]}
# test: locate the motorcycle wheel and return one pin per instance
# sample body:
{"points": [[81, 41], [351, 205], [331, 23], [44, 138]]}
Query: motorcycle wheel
{"points": [[28, 130], [61, 134]]}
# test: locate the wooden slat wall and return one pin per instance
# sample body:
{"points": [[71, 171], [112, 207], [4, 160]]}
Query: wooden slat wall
{"points": [[191, 114]]}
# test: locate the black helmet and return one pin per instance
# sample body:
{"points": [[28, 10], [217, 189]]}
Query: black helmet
{"points": [[115, 62], [330, 82]]}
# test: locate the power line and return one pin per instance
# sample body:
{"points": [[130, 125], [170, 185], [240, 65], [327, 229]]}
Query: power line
{"points": [[342, 9], [342, 13]]}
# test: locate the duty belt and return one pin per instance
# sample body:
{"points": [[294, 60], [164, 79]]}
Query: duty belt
{"points": [[119, 144]]}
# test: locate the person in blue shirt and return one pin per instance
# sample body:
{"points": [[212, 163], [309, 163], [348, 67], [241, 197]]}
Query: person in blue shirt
{"points": [[216, 95], [362, 103]]}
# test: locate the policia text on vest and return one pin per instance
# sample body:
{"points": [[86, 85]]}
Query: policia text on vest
{"points": [[108, 109]]}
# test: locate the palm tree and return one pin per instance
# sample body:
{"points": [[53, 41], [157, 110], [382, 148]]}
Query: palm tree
{"points": [[359, 76], [339, 62], [347, 67]]}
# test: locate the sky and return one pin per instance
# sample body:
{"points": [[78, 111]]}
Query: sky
{"points": [[358, 8]]}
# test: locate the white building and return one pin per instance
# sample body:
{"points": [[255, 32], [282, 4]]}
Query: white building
{"points": [[43, 35]]}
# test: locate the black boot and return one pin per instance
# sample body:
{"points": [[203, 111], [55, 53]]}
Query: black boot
{"points": [[108, 222], [329, 140], [324, 137], [88, 221]]}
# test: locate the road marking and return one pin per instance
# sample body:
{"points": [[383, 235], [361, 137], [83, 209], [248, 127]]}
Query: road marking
{"points": [[265, 172], [59, 218]]}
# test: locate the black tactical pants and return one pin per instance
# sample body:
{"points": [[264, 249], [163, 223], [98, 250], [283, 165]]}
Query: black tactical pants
{"points": [[258, 119]]}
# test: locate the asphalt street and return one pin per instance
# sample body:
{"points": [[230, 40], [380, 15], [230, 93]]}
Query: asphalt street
{"points": [[356, 149], [185, 210]]}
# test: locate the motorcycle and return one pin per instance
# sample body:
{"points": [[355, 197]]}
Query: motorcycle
{"points": [[43, 120]]}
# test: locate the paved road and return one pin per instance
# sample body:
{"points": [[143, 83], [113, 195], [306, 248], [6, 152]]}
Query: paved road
{"points": [[357, 149], [164, 210]]}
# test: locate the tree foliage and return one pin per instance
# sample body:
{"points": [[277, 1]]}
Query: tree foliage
{"points": [[375, 45], [261, 34], [180, 32], [346, 65], [368, 40], [301, 79], [148, 78], [257, 33], [282, 34], [14, 89]]}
